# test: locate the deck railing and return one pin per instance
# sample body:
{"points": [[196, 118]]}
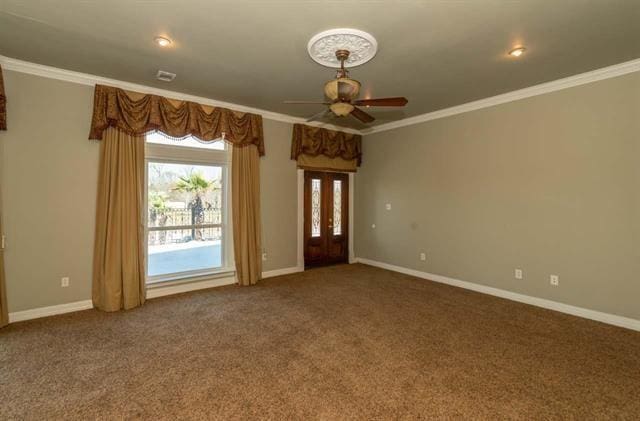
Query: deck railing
{"points": [[168, 226]]}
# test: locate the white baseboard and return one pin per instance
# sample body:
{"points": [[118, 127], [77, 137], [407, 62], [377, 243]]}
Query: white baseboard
{"points": [[280, 272], [36, 313], [611, 319], [152, 293]]}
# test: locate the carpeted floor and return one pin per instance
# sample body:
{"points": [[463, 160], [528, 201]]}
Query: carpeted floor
{"points": [[345, 342]]}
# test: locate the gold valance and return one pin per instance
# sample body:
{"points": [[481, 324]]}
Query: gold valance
{"points": [[3, 104], [323, 149], [137, 114]]}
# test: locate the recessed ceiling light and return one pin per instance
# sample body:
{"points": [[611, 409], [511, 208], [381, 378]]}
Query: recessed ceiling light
{"points": [[162, 41], [517, 52]]}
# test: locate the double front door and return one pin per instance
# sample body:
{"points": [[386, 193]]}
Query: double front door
{"points": [[326, 207]]}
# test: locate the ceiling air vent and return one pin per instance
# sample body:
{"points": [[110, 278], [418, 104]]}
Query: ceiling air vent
{"points": [[165, 76]]}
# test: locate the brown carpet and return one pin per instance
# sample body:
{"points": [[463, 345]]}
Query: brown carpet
{"points": [[346, 342]]}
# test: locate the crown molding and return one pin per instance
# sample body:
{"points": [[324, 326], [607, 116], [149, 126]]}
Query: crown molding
{"points": [[544, 88], [50, 72], [87, 79]]}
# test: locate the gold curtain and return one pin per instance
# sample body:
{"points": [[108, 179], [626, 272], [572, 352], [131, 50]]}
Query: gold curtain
{"points": [[328, 150], [119, 266], [122, 118], [4, 312], [136, 114], [245, 197]]}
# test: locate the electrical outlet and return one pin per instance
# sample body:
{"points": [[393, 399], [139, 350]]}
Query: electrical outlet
{"points": [[518, 273], [388, 206], [264, 256], [423, 256], [554, 280], [64, 282]]}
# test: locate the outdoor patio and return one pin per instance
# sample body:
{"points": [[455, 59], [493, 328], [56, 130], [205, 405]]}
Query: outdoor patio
{"points": [[182, 257]]}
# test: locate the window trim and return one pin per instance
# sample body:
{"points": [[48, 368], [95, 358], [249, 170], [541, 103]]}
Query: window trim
{"points": [[196, 156]]}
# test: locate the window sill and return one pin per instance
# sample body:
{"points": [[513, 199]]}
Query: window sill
{"points": [[185, 279]]}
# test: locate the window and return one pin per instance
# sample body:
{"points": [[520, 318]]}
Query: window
{"points": [[187, 208]]}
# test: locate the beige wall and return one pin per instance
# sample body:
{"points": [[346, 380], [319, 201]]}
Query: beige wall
{"points": [[49, 173], [279, 200], [548, 184]]}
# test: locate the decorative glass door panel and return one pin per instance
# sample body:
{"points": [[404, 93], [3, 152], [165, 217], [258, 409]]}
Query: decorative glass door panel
{"points": [[337, 207], [326, 218], [316, 211]]}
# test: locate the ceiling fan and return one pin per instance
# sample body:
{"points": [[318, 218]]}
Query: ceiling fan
{"points": [[342, 93]]}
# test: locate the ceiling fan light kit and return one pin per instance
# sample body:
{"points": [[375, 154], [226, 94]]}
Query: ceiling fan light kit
{"points": [[341, 109], [331, 88], [342, 48]]}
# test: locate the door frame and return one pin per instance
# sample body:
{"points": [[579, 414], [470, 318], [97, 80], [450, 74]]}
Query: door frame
{"points": [[300, 262]]}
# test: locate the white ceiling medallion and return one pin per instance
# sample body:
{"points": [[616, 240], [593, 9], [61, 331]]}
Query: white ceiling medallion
{"points": [[361, 45]]}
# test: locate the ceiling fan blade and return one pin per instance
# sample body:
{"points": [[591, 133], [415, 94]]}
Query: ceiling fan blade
{"points": [[319, 115], [383, 102], [345, 91], [361, 115], [307, 102]]}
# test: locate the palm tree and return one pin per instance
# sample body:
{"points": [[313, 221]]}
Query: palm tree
{"points": [[157, 205], [157, 212], [196, 184]]}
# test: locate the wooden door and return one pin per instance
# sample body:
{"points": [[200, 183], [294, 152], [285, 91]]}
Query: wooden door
{"points": [[326, 218]]}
